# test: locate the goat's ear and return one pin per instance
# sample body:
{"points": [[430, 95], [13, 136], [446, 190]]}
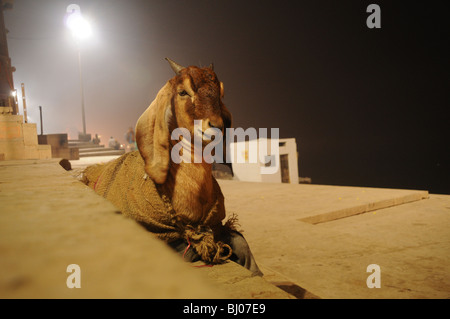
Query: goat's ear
{"points": [[222, 90], [152, 135]]}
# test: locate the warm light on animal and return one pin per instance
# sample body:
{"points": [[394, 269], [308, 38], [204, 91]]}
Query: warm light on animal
{"points": [[193, 94]]}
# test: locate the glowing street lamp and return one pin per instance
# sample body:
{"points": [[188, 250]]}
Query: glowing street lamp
{"points": [[80, 29]]}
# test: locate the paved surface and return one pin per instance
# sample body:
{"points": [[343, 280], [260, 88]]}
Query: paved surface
{"points": [[410, 242], [49, 220]]}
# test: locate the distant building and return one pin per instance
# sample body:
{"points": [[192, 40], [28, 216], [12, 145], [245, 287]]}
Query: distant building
{"points": [[18, 140], [249, 165]]}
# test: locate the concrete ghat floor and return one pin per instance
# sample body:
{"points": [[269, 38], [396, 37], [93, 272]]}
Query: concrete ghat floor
{"points": [[409, 239]]}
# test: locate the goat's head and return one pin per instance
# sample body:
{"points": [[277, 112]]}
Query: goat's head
{"points": [[193, 94]]}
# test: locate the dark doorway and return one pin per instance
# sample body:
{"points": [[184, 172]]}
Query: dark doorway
{"points": [[284, 164]]}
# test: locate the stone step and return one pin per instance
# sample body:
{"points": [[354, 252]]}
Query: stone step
{"points": [[103, 153], [81, 144], [96, 149]]}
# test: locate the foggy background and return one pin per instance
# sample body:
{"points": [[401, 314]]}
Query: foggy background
{"points": [[368, 107]]}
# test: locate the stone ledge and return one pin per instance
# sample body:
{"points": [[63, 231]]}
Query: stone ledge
{"points": [[49, 220]]}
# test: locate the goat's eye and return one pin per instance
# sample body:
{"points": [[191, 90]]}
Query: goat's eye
{"points": [[183, 93]]}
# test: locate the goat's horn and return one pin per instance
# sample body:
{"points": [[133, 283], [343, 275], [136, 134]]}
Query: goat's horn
{"points": [[175, 66], [211, 66]]}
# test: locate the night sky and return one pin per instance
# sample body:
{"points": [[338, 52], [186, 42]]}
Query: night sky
{"points": [[366, 106]]}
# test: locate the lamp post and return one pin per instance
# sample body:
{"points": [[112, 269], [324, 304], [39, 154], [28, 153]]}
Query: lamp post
{"points": [[80, 29]]}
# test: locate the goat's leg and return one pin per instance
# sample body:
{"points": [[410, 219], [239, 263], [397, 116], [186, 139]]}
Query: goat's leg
{"points": [[241, 252]]}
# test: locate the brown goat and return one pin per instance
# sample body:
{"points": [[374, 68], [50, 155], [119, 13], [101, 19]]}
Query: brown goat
{"points": [[193, 94], [180, 202]]}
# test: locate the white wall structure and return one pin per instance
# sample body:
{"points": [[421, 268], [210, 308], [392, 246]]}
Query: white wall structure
{"points": [[255, 161]]}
